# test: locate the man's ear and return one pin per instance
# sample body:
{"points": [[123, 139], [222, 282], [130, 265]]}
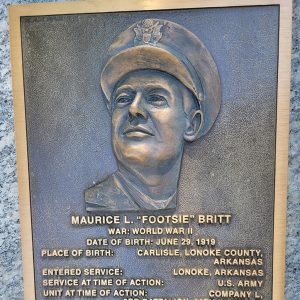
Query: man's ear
{"points": [[194, 123]]}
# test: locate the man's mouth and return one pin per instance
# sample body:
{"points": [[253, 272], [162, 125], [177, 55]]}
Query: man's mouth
{"points": [[138, 131]]}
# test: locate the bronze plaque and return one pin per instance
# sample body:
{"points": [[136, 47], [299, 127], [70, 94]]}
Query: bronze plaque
{"points": [[152, 148]]}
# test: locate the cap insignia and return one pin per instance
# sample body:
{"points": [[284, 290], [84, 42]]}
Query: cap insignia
{"points": [[147, 32]]}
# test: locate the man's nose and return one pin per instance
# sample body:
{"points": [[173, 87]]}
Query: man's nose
{"points": [[136, 108]]}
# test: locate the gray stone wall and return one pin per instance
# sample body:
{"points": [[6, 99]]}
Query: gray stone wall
{"points": [[11, 286]]}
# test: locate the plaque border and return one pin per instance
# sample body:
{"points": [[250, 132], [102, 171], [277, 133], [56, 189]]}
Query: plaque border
{"points": [[94, 6]]}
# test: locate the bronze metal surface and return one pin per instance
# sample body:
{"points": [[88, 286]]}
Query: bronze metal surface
{"points": [[140, 100]]}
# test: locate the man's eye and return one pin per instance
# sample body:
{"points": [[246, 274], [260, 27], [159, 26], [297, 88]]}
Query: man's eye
{"points": [[123, 100], [157, 100]]}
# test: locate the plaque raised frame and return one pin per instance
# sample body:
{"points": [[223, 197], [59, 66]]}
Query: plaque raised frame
{"points": [[23, 128]]}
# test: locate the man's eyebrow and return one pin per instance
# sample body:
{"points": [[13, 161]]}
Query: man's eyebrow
{"points": [[155, 89], [123, 88]]}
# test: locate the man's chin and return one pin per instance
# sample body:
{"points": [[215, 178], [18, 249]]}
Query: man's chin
{"points": [[136, 153]]}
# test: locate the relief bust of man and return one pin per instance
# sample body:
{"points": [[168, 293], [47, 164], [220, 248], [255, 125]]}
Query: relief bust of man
{"points": [[163, 90]]}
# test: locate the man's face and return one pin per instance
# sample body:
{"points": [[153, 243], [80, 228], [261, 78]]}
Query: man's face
{"points": [[148, 119]]}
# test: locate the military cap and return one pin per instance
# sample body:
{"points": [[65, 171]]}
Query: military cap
{"points": [[169, 47]]}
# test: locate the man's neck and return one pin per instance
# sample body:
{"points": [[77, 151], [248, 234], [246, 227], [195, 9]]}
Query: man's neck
{"points": [[158, 184]]}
